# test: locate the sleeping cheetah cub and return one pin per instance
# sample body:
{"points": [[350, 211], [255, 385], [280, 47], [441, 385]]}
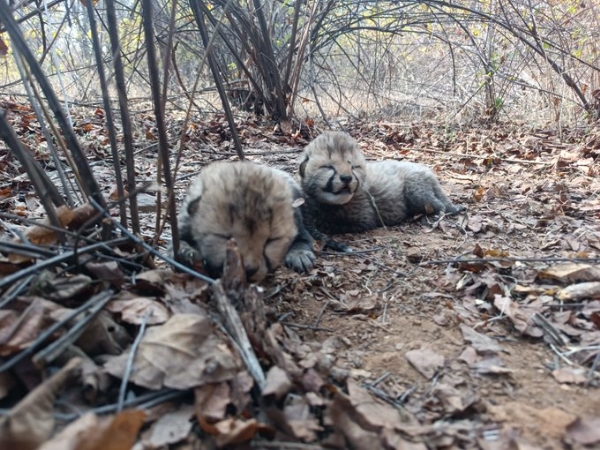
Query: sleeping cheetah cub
{"points": [[253, 204], [346, 194]]}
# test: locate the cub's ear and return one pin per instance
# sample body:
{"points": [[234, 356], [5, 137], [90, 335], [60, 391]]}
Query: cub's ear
{"points": [[192, 206], [303, 165], [194, 195]]}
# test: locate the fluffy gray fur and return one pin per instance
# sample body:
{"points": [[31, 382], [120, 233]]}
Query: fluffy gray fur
{"points": [[253, 204], [346, 194]]}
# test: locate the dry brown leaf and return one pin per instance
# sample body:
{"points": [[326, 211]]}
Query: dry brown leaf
{"points": [[6, 384], [546, 421], [521, 318], [584, 431], [134, 310], [302, 423], [211, 400], [171, 428], [574, 375], [104, 336], [373, 411], [395, 441], [453, 400], [278, 383], [156, 276], [480, 342], [240, 390], [356, 437], [39, 235], [474, 224], [107, 271], [580, 291], [491, 365], [61, 289], [17, 333], [115, 433], [182, 353], [570, 273], [3, 48], [73, 434], [31, 421], [426, 361], [236, 431], [312, 381]]}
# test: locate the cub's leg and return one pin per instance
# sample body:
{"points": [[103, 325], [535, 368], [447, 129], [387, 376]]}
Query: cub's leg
{"points": [[424, 195], [300, 256], [308, 218]]}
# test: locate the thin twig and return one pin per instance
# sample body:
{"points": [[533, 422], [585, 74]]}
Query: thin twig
{"points": [[148, 248], [464, 155], [46, 334], [320, 316], [144, 401], [43, 357], [306, 327], [285, 445], [66, 256], [130, 359], [32, 251], [508, 259], [352, 253], [592, 370], [381, 378], [15, 290]]}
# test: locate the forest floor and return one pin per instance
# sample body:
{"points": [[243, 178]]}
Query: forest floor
{"points": [[483, 329]]}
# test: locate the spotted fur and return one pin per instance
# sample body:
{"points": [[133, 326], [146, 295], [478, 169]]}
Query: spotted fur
{"points": [[346, 194], [252, 204]]}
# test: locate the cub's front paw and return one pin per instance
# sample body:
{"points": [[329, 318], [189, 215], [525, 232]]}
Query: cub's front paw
{"points": [[337, 246], [300, 259], [455, 209]]}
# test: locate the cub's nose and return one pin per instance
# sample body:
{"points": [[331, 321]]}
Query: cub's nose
{"points": [[345, 178], [250, 271]]}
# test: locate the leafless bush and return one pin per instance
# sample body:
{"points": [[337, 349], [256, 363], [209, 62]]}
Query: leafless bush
{"points": [[464, 60]]}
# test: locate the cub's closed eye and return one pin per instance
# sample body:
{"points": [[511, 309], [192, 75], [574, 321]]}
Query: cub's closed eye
{"points": [[329, 166], [223, 236], [274, 239]]}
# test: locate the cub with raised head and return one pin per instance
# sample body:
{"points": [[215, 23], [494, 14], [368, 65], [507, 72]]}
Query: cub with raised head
{"points": [[253, 204], [346, 194]]}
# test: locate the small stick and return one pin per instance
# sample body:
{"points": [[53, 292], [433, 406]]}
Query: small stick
{"points": [[286, 445], [305, 327], [352, 253], [150, 249], [48, 354], [560, 355], [15, 290], [400, 274], [463, 155], [551, 332], [235, 328], [46, 334], [31, 251], [320, 316], [381, 378], [383, 396], [509, 259], [10, 279], [383, 316], [402, 398], [130, 359], [592, 370]]}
